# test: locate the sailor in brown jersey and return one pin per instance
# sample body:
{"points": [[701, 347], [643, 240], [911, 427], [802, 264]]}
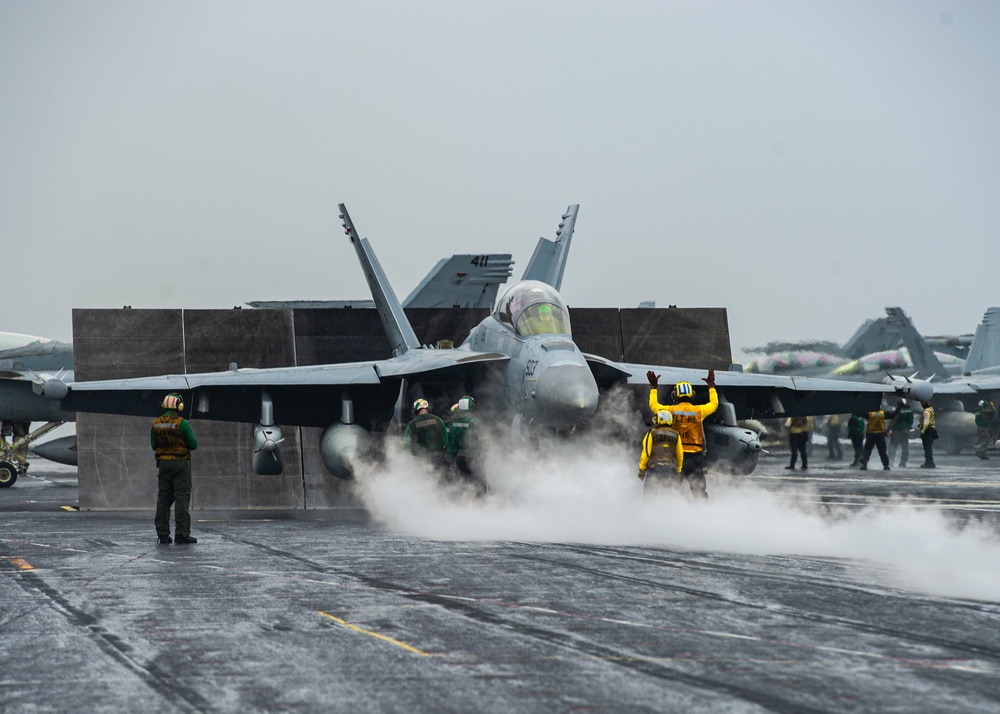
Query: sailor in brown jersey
{"points": [[173, 441]]}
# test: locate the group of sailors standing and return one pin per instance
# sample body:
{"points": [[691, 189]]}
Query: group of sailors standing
{"points": [[887, 431]]}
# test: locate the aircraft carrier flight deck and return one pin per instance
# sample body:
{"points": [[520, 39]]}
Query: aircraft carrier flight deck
{"points": [[827, 590]]}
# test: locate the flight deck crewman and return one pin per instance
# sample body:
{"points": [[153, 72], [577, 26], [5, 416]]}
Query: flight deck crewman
{"points": [[799, 429], [984, 415], [688, 420], [466, 449], [875, 437], [856, 433], [662, 452], [173, 441], [899, 434], [928, 433], [427, 435]]}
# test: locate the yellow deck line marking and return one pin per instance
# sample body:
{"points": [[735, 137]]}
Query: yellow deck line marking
{"points": [[22, 563], [363, 631]]}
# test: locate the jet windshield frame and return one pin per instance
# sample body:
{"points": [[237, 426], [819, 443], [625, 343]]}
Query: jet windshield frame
{"points": [[524, 305]]}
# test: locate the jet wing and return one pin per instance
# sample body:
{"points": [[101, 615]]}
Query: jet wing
{"points": [[301, 396], [756, 396], [985, 381]]}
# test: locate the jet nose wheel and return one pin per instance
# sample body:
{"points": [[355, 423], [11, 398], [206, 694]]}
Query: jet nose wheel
{"points": [[8, 474]]}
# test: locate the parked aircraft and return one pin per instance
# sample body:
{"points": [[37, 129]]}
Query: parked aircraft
{"points": [[33, 372], [459, 281], [956, 398], [520, 361]]}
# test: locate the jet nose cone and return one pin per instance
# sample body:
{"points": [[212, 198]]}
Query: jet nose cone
{"points": [[565, 396]]}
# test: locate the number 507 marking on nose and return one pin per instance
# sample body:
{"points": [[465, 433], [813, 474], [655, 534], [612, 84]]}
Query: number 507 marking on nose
{"points": [[529, 368]]}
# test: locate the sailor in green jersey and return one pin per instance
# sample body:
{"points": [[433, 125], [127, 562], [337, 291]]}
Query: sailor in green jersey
{"points": [[173, 441]]}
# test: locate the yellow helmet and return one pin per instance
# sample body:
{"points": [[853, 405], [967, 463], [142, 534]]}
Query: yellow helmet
{"points": [[664, 418], [683, 390]]}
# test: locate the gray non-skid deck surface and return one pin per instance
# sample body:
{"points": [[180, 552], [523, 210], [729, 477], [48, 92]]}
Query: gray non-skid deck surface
{"points": [[330, 611]]}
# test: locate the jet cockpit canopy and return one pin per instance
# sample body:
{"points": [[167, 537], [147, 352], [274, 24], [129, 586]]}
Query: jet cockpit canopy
{"points": [[532, 307]]}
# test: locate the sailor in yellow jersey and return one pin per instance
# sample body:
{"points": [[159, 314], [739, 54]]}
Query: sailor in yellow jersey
{"points": [[928, 433], [688, 418], [875, 437], [662, 456]]}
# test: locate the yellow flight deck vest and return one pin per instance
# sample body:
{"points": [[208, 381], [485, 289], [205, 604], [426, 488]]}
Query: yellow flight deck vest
{"points": [[170, 444], [876, 422], [661, 446], [799, 425], [688, 418]]}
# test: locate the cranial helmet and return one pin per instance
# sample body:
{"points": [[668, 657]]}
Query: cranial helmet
{"points": [[982, 402], [664, 418], [173, 401], [683, 390], [421, 404], [466, 404]]}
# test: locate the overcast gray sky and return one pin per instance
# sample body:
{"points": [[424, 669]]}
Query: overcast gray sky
{"points": [[803, 164]]}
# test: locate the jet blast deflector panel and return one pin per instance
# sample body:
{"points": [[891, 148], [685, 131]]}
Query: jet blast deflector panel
{"points": [[116, 467]]}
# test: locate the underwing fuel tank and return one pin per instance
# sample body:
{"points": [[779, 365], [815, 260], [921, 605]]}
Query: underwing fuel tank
{"points": [[267, 458], [61, 450], [341, 444], [919, 390]]}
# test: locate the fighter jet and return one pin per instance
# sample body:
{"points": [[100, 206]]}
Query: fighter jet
{"points": [[520, 361], [33, 375], [956, 398]]}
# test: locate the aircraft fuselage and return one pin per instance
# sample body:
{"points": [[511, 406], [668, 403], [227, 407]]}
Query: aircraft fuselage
{"points": [[547, 379]]}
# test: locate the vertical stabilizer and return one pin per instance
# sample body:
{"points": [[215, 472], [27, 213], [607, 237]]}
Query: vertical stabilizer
{"points": [[397, 327], [463, 281], [873, 336], [548, 262], [985, 349], [924, 360]]}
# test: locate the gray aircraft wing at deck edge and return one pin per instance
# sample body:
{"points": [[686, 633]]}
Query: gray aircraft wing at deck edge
{"points": [[765, 395]]}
